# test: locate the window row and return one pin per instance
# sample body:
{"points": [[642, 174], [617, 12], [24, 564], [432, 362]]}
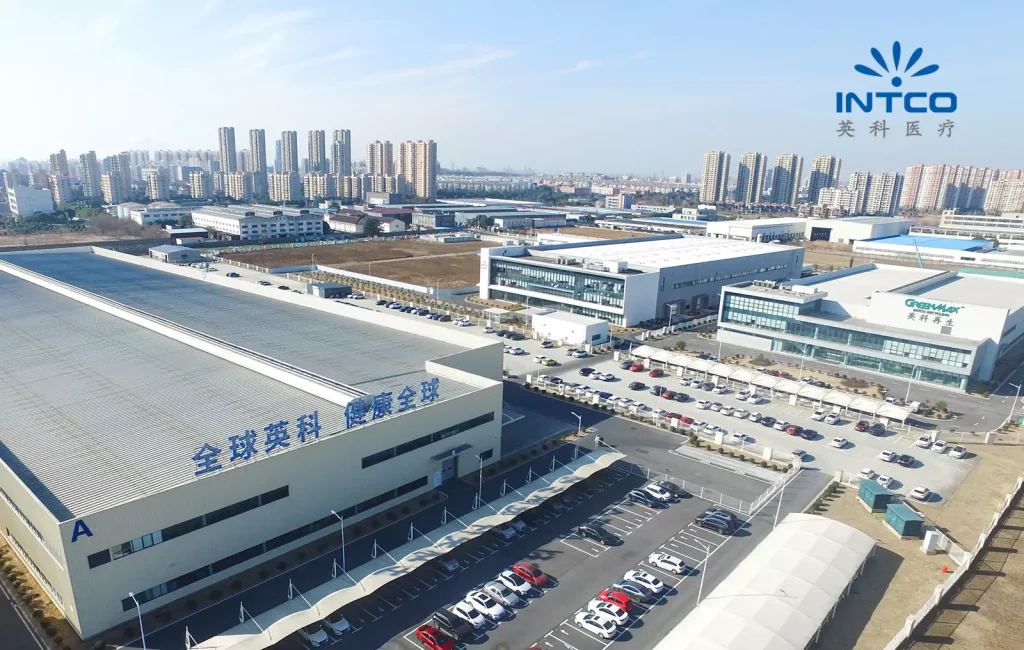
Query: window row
{"points": [[259, 549], [32, 529], [35, 570], [729, 276], [423, 441], [190, 526], [530, 301]]}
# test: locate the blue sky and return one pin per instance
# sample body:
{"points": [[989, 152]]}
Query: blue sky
{"points": [[617, 87]]}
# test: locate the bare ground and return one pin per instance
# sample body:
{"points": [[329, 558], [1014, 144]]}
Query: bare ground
{"points": [[446, 272], [598, 233], [344, 254], [49, 238]]}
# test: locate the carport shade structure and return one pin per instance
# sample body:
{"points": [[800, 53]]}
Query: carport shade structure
{"points": [[780, 595], [270, 627], [872, 407]]}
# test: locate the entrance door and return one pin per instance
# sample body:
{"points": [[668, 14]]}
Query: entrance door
{"points": [[449, 468]]}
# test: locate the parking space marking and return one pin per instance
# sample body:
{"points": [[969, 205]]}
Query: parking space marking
{"points": [[710, 532], [590, 553], [552, 636], [575, 628], [647, 567], [372, 617], [621, 530]]}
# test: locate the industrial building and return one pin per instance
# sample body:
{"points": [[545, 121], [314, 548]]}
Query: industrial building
{"points": [[568, 328], [937, 327], [166, 429], [839, 231], [630, 281], [953, 251], [247, 222]]}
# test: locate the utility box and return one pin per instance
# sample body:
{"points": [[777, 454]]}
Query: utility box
{"points": [[874, 497], [903, 520], [328, 290]]}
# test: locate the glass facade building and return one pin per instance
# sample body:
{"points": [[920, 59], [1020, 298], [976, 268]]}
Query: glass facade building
{"points": [[561, 285]]}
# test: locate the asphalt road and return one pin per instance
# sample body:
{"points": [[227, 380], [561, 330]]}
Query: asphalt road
{"points": [[13, 628]]}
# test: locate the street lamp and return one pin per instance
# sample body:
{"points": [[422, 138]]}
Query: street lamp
{"points": [[342, 520], [579, 427], [704, 570], [480, 482], [910, 383], [778, 508], [1014, 403], [131, 595]]}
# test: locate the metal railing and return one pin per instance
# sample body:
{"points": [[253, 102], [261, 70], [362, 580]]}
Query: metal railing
{"points": [[697, 490]]}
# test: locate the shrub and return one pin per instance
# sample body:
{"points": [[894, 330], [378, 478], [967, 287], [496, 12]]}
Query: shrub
{"points": [[281, 566], [191, 605], [37, 613], [263, 574], [391, 516], [405, 510]]}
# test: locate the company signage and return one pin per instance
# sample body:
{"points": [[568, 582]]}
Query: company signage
{"points": [[939, 308], [914, 102]]}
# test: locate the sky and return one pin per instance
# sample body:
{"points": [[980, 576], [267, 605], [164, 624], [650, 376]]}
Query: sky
{"points": [[614, 87]]}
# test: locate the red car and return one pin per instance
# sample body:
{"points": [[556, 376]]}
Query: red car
{"points": [[616, 598], [794, 429], [433, 638], [657, 372], [668, 394], [861, 426], [686, 421], [636, 367], [531, 573], [674, 416]]}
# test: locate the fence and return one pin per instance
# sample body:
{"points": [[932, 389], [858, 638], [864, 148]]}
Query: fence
{"points": [[697, 490], [957, 579]]}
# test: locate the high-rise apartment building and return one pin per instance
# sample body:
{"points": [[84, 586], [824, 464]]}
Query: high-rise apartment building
{"points": [[789, 167], [285, 186], [289, 152], [932, 193], [911, 187], [380, 159], [1005, 196], [112, 187], [59, 164], [750, 178], [860, 182], [341, 152], [121, 163], [318, 151], [228, 161], [824, 173], [837, 197], [320, 186], [417, 164], [714, 181], [883, 193], [90, 178], [60, 189], [239, 186], [158, 186], [200, 185], [258, 161], [278, 163]]}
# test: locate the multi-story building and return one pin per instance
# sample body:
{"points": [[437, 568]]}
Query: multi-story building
{"points": [[824, 173], [911, 187], [228, 161], [341, 152], [60, 187], [838, 197], [121, 163], [200, 185], [258, 221], [278, 162], [286, 186], [258, 158], [618, 202], [158, 186], [417, 164], [112, 185], [24, 200], [239, 186], [1004, 196], [789, 167], [320, 186], [317, 152], [860, 182], [158, 214], [289, 152], [714, 182], [90, 177], [380, 159], [750, 178], [59, 164], [884, 192]]}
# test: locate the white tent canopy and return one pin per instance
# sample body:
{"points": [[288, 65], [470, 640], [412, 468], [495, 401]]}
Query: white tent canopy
{"points": [[781, 594], [272, 626]]}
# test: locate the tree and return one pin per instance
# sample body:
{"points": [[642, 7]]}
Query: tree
{"points": [[941, 405], [186, 221], [371, 227]]}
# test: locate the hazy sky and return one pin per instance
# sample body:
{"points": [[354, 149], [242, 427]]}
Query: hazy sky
{"points": [[616, 87]]}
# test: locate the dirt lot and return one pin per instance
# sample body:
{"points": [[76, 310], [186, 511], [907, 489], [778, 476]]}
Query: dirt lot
{"points": [[344, 254], [599, 233], [443, 271], [43, 239]]}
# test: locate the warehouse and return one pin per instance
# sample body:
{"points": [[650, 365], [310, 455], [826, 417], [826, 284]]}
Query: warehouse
{"points": [[954, 251], [568, 328], [172, 429], [256, 222], [764, 230], [938, 327], [629, 281], [838, 231]]}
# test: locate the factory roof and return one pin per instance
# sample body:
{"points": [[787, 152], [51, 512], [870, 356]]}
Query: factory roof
{"points": [[660, 252], [972, 289], [867, 220], [857, 284], [919, 241], [237, 212], [682, 223]]}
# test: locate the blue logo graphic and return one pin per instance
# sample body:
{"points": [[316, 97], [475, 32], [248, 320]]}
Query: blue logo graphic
{"points": [[896, 80], [79, 530], [898, 71]]}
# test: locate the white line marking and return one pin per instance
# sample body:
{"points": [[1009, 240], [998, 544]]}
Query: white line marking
{"points": [[578, 549]]}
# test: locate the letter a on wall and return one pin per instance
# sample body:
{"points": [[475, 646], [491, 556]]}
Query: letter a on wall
{"points": [[80, 529]]}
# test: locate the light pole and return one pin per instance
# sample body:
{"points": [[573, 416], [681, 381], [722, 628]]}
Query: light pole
{"points": [[1016, 397], [778, 508], [480, 482], [131, 595], [579, 427], [342, 520], [910, 383], [704, 570]]}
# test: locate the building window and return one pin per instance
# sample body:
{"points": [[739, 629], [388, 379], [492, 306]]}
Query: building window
{"points": [[423, 441], [31, 527], [36, 572]]}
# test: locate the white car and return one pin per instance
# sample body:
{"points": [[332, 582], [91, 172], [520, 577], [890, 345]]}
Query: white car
{"points": [[513, 581], [743, 394], [488, 330], [740, 413], [920, 493], [726, 410], [696, 383], [704, 404], [888, 456], [832, 418], [518, 525], [485, 605], [501, 593], [754, 417], [716, 406], [314, 635], [738, 438], [336, 623], [608, 610], [924, 442], [867, 474], [958, 452], [467, 612], [601, 626], [579, 354], [939, 446], [780, 425], [714, 428], [698, 425], [659, 493], [658, 412], [518, 351], [507, 349], [719, 389], [884, 480], [666, 562], [645, 579], [818, 415], [464, 323], [839, 443], [754, 399], [540, 358]]}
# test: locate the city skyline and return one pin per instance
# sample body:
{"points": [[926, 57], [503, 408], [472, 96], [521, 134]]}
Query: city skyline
{"points": [[460, 88]]}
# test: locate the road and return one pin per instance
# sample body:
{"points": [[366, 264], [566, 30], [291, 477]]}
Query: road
{"points": [[13, 626]]}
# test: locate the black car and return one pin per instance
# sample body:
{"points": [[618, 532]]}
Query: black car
{"points": [[634, 590], [452, 625], [724, 514], [637, 385], [680, 397], [625, 365], [767, 421], [657, 390], [905, 460], [445, 318], [639, 496], [382, 302], [586, 371], [673, 489], [597, 533], [808, 434], [877, 429], [712, 522]]}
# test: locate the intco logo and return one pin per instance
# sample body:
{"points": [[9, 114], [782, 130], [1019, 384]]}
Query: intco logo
{"points": [[914, 102]]}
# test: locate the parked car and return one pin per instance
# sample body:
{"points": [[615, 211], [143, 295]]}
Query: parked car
{"points": [[740, 413], [832, 418], [531, 573], [768, 421], [501, 593], [666, 562], [755, 399], [314, 635], [433, 638], [939, 446], [711, 522], [726, 410], [641, 497], [798, 454], [888, 456], [263, 283], [716, 407], [485, 605], [467, 612], [547, 344], [905, 460], [794, 429], [743, 394], [958, 451], [336, 624], [657, 372], [232, 274], [596, 533], [861, 425], [680, 397], [719, 389], [634, 590], [877, 429], [839, 442], [626, 365], [617, 598], [586, 372], [673, 489], [646, 579], [637, 385], [780, 425], [924, 442], [920, 493], [452, 625], [515, 582], [382, 301], [704, 404], [617, 615], [668, 394], [884, 480], [657, 390], [818, 415], [600, 626], [659, 493]]}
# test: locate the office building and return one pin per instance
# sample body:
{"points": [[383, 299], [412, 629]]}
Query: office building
{"points": [[319, 186], [789, 168], [750, 178], [380, 159], [824, 173], [884, 192], [714, 181], [289, 152], [630, 281], [286, 186], [148, 214], [239, 186], [200, 185], [228, 161], [60, 188], [936, 327], [341, 152], [112, 185], [24, 200], [59, 164], [247, 222], [618, 202], [417, 164], [317, 152], [157, 184]]}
